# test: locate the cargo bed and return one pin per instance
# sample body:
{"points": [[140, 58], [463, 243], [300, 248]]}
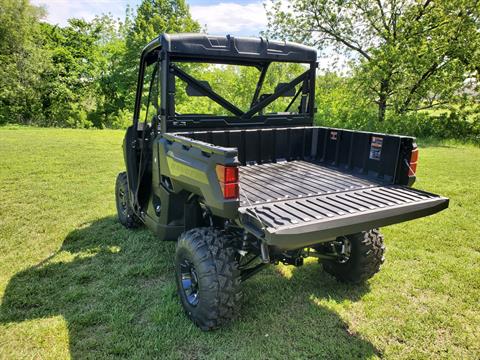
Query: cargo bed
{"points": [[295, 179], [307, 185], [298, 203]]}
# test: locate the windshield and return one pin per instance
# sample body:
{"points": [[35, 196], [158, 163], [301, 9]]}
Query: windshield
{"points": [[244, 91]]}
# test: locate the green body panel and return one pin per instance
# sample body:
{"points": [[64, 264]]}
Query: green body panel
{"points": [[192, 168], [180, 171]]}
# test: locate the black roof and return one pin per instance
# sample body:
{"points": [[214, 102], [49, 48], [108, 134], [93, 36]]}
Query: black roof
{"points": [[231, 48]]}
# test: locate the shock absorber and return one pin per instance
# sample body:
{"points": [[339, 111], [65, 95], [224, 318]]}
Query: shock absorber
{"points": [[264, 252]]}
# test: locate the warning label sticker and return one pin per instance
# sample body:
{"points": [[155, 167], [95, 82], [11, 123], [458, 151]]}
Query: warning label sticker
{"points": [[376, 148]]}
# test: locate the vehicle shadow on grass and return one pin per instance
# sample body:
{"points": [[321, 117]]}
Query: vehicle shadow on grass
{"points": [[116, 292]]}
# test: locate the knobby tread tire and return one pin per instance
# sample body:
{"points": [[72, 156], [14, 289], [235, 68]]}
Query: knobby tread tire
{"points": [[219, 277], [367, 255], [128, 219]]}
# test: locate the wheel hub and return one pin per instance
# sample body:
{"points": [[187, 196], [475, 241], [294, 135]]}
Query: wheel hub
{"points": [[123, 200], [189, 279], [343, 249]]}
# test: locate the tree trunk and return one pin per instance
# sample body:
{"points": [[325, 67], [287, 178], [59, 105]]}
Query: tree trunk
{"points": [[382, 107], [382, 99]]}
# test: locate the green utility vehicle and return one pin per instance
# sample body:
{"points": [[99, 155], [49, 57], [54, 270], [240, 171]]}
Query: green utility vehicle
{"points": [[241, 187]]}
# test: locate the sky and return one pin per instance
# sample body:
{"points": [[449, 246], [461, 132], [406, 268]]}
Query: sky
{"points": [[219, 17], [240, 17]]}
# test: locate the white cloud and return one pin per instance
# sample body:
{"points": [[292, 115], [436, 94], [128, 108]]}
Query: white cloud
{"points": [[220, 18], [231, 18], [59, 11]]}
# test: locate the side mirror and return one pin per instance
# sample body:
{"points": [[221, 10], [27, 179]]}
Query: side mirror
{"points": [[191, 91], [288, 93]]}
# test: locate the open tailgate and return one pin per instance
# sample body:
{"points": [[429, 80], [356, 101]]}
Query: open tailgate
{"points": [[305, 221]]}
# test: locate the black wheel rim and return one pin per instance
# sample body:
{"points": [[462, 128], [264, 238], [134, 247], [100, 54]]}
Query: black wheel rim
{"points": [[189, 279]]}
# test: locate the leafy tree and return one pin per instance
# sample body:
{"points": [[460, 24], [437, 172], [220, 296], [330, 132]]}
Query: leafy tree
{"points": [[110, 110], [236, 84], [80, 75], [20, 61], [153, 17], [70, 80], [410, 54], [341, 104]]}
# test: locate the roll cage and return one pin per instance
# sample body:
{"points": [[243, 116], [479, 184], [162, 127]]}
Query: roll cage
{"points": [[168, 50]]}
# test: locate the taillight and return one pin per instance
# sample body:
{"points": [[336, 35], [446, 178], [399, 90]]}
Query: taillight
{"points": [[228, 177], [413, 162]]}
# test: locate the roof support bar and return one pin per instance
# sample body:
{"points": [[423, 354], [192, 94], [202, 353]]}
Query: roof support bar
{"points": [[294, 98], [268, 100], [261, 79], [205, 90]]}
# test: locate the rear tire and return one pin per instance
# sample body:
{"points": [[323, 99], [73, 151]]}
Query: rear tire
{"points": [[366, 255], [125, 213], [208, 278]]}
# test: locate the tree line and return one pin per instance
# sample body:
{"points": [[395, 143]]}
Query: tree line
{"points": [[406, 55], [406, 59], [80, 75]]}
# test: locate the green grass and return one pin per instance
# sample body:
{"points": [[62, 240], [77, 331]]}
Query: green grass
{"points": [[74, 283]]}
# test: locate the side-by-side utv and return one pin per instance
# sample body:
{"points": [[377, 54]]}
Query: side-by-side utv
{"points": [[241, 186]]}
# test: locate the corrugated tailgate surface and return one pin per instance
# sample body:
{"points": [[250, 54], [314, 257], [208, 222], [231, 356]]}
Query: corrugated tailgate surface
{"points": [[337, 205], [302, 197]]}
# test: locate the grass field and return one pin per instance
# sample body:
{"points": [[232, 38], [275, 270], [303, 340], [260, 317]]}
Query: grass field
{"points": [[74, 283]]}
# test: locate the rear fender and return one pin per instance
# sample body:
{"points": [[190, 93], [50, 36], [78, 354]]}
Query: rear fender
{"points": [[191, 166]]}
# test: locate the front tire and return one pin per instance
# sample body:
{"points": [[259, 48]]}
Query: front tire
{"points": [[365, 255], [207, 276], [125, 212]]}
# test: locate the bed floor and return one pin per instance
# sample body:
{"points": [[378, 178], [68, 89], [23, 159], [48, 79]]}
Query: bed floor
{"points": [[270, 182]]}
